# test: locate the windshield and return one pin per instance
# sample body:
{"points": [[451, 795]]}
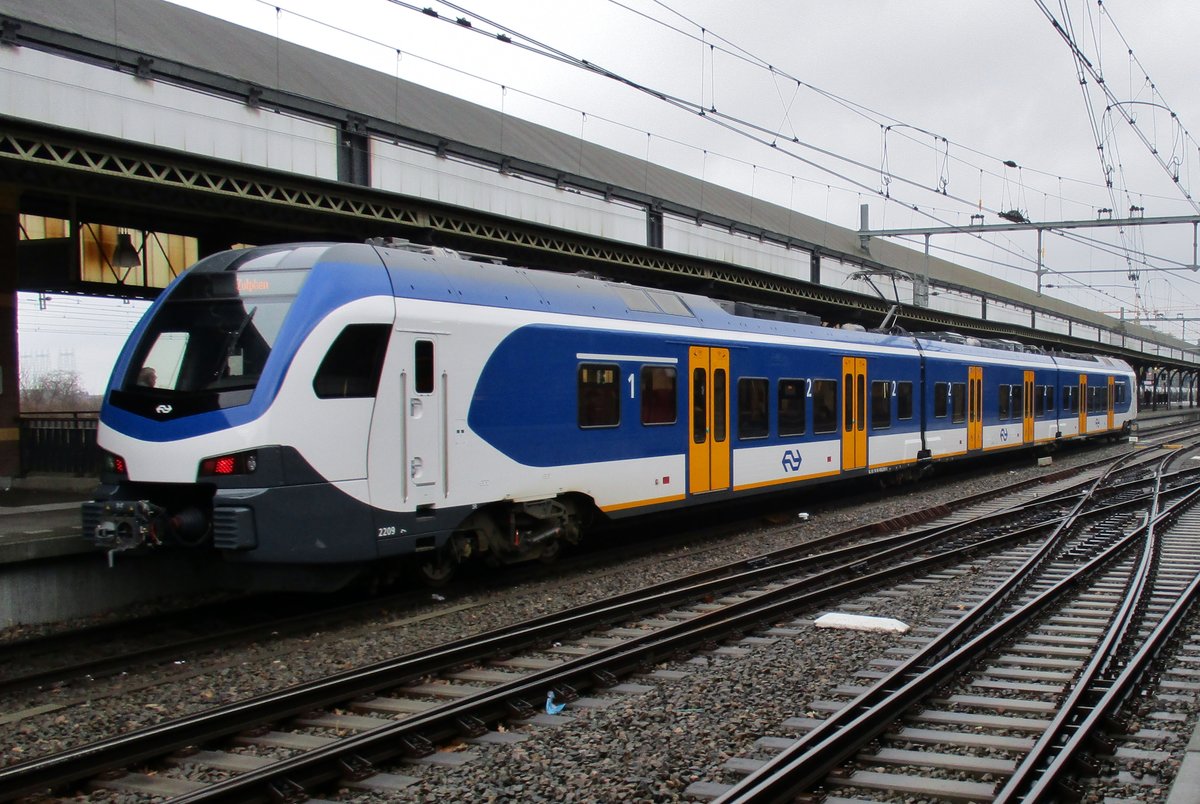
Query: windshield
{"points": [[214, 334]]}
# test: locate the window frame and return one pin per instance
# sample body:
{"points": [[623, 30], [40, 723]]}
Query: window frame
{"points": [[818, 386], [941, 400], [876, 415], [658, 368], [800, 399], [904, 400], [761, 425], [580, 396]]}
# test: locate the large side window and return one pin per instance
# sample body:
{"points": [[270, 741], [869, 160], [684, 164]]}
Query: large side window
{"points": [[1039, 400], [658, 395], [958, 402], [904, 400], [752, 408], [881, 405], [824, 396], [353, 363], [1068, 398], [1018, 401], [792, 407], [1004, 402], [941, 396], [599, 395]]}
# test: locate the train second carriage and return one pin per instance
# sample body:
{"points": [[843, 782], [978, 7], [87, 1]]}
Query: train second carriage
{"points": [[340, 406]]}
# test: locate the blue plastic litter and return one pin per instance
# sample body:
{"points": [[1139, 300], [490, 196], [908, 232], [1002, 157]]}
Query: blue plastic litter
{"points": [[551, 707]]}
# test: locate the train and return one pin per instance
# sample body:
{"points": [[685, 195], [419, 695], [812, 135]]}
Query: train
{"points": [[322, 410]]}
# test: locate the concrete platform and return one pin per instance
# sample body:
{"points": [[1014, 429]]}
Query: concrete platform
{"points": [[48, 573]]}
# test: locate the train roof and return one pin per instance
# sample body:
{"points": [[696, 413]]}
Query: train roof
{"points": [[439, 274]]}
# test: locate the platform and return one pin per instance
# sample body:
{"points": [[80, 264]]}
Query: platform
{"points": [[49, 573]]}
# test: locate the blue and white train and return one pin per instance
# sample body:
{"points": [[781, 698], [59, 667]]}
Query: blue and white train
{"points": [[343, 405]]}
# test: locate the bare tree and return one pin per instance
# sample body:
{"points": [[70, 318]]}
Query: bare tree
{"points": [[54, 391]]}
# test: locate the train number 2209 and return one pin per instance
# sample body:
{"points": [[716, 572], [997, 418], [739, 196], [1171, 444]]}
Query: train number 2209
{"points": [[390, 530]]}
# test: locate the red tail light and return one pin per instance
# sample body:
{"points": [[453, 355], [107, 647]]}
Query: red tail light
{"points": [[115, 464], [240, 463]]}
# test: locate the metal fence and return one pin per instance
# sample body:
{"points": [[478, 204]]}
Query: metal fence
{"points": [[60, 442]]}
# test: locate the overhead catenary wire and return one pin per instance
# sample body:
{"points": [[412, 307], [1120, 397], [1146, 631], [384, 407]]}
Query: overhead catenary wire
{"points": [[776, 137]]}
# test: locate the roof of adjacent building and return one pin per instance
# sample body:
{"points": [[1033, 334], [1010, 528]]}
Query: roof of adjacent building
{"points": [[161, 29]]}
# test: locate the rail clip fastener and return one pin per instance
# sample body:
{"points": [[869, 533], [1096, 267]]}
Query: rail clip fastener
{"points": [[355, 768], [285, 791], [565, 692], [471, 726], [604, 679], [417, 746], [520, 709]]}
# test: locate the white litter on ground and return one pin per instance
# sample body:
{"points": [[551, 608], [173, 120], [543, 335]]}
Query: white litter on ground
{"points": [[860, 622]]}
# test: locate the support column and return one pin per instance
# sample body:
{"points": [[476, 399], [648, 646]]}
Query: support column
{"points": [[10, 372]]}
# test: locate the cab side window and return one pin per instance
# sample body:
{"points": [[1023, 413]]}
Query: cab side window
{"points": [[351, 367]]}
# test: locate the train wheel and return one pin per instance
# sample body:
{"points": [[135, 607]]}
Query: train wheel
{"points": [[438, 568], [550, 551]]}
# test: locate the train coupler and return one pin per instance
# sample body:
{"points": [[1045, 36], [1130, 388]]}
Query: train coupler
{"points": [[124, 525]]}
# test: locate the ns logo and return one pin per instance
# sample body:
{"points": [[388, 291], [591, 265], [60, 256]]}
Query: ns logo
{"points": [[791, 460]]}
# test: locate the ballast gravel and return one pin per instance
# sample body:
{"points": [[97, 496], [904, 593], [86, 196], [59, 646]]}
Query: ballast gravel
{"points": [[695, 724]]}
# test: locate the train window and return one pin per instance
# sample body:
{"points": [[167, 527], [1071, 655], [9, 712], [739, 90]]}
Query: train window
{"points": [[1049, 398], [699, 405], [881, 405], [904, 400], [848, 402], [1039, 400], [1121, 399], [824, 402], [792, 407], [1067, 397], [1004, 395], [423, 363], [958, 402], [720, 401], [752, 408], [1018, 401], [658, 395], [160, 369], [941, 395], [599, 396], [351, 367]]}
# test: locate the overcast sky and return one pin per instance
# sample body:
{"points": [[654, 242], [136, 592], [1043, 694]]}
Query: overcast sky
{"points": [[861, 99]]}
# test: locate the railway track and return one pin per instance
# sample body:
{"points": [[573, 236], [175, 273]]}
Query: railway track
{"points": [[116, 648], [1019, 692], [457, 691]]}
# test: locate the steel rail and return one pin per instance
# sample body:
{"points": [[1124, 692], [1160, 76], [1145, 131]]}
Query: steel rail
{"points": [[368, 749], [108, 665], [122, 751], [156, 740], [812, 757], [1096, 693]]}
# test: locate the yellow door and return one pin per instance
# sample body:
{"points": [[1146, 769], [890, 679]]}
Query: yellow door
{"points": [[854, 413], [708, 397], [974, 407], [1027, 428], [1083, 404], [1111, 400]]}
